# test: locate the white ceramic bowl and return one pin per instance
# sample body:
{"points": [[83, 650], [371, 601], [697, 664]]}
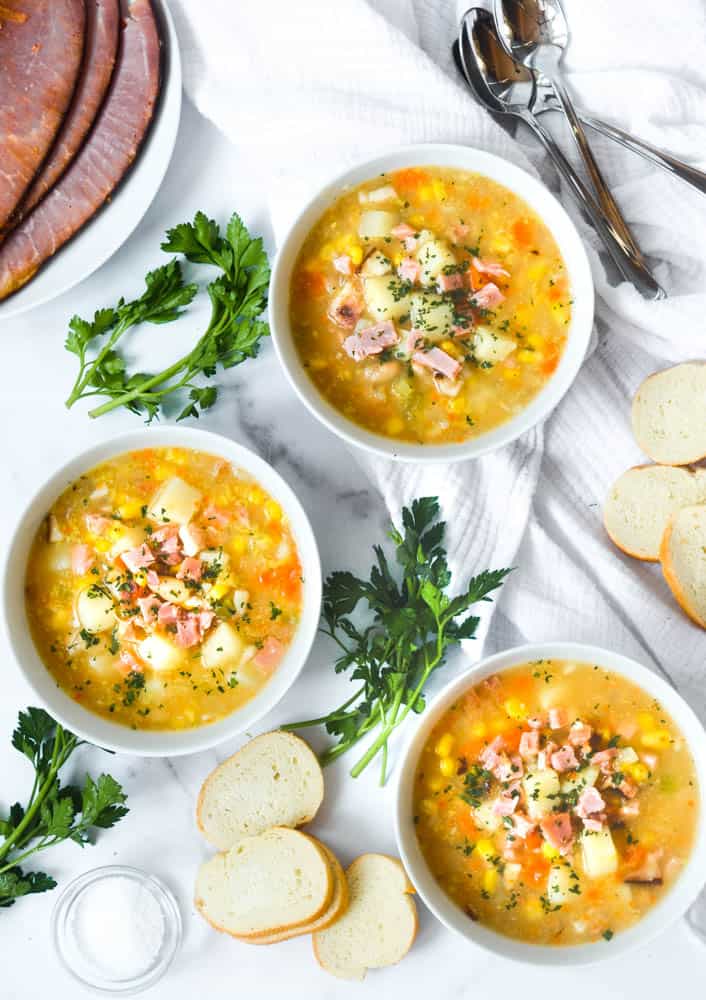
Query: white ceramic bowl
{"points": [[93, 727], [544, 204], [672, 906]]}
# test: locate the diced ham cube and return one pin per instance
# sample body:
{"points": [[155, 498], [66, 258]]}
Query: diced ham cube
{"points": [[402, 231], [529, 744], [344, 264], [626, 729], [545, 756], [491, 756], [139, 558], [605, 759], [192, 539], [97, 524], [487, 297], [371, 340], [347, 307], [590, 801], [536, 722], [409, 269], [149, 608], [162, 535], [188, 632], [190, 569], [269, 656], [450, 282], [594, 824], [558, 718], [82, 558], [505, 805], [205, 620], [558, 830], [490, 267], [413, 340], [580, 733], [168, 614], [564, 759], [521, 825], [153, 581], [439, 361]]}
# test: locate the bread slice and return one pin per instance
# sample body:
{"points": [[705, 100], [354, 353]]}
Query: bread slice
{"points": [[336, 908], [641, 502], [669, 414], [378, 927], [276, 881], [274, 780], [683, 555]]}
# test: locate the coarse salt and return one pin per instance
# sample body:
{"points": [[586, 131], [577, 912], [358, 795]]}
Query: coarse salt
{"points": [[118, 927]]}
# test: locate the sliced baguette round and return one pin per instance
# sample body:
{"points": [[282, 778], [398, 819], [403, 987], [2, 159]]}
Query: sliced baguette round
{"points": [[380, 924], [336, 908], [683, 555], [669, 414], [276, 881], [274, 780], [641, 502]]}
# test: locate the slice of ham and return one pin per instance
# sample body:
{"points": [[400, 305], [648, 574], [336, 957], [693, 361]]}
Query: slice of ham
{"points": [[492, 755], [580, 733], [557, 829], [371, 340], [409, 269], [536, 722], [82, 558], [188, 632], [138, 558], [190, 569], [267, 658], [459, 232], [168, 614], [594, 824], [41, 47], [590, 801], [149, 608], [450, 282], [97, 524], [439, 361], [605, 759], [344, 264], [505, 805], [529, 744], [112, 145], [487, 297], [490, 267], [564, 759], [100, 52], [413, 339], [522, 826], [347, 307], [402, 231], [153, 580]]}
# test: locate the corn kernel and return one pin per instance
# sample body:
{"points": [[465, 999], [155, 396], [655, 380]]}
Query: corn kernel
{"points": [[447, 766], [657, 739], [499, 726], [533, 909], [218, 590], [536, 271], [355, 252], [515, 709], [327, 251], [162, 471], [439, 189], [416, 220], [429, 806], [255, 495], [394, 425], [639, 771], [549, 852], [511, 374], [101, 545], [526, 357], [523, 315], [444, 745], [536, 340], [645, 720], [486, 848], [425, 192], [273, 511], [239, 545], [435, 784], [456, 405], [129, 510], [490, 880], [479, 730]]}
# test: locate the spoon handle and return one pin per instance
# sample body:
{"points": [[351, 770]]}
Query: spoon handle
{"points": [[696, 178], [605, 197], [631, 267]]}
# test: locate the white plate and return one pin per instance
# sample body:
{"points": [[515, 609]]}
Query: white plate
{"points": [[111, 226]]}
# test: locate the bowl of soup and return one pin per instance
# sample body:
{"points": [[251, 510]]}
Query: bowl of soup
{"points": [[432, 304], [162, 591], [550, 805]]}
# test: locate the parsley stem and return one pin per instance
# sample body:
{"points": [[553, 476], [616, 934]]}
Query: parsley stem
{"points": [[291, 726]]}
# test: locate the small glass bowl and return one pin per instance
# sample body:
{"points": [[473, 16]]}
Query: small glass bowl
{"points": [[68, 948]]}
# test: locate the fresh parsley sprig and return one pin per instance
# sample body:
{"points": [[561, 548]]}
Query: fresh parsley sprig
{"points": [[54, 812], [411, 625], [238, 297]]}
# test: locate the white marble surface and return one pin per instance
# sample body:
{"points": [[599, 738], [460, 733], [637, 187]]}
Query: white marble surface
{"points": [[159, 834]]}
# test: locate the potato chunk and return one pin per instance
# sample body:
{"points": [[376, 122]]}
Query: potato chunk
{"points": [[376, 225], [384, 298], [488, 346], [434, 256], [598, 853], [222, 649], [432, 315], [174, 502], [541, 789], [160, 653], [95, 610]]}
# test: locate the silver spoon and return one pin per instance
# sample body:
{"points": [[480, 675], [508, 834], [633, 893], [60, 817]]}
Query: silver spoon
{"points": [[536, 33], [477, 50]]}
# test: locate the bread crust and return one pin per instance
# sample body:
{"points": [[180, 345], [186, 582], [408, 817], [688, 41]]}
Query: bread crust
{"points": [[671, 577]]}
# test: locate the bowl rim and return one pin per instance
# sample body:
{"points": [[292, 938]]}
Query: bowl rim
{"points": [[666, 911], [91, 726], [527, 187]]}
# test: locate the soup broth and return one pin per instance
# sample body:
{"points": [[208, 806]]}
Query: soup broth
{"points": [[163, 589], [430, 305], [556, 802]]}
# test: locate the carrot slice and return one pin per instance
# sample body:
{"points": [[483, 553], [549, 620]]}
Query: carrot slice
{"points": [[523, 231], [409, 179]]}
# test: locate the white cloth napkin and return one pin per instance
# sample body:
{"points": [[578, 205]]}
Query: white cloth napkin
{"points": [[305, 88]]}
